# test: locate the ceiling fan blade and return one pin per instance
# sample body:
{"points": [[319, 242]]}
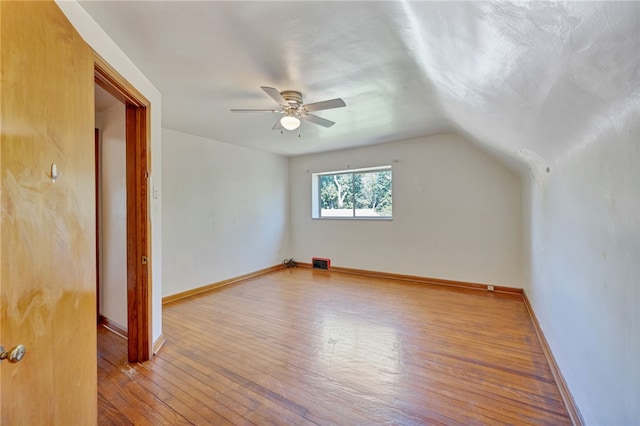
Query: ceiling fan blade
{"points": [[318, 120], [332, 103], [275, 95], [256, 110], [277, 126]]}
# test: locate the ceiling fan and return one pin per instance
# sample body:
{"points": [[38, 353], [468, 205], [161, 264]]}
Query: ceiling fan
{"points": [[294, 110]]}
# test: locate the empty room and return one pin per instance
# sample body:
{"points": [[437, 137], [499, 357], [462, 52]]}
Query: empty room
{"points": [[320, 213]]}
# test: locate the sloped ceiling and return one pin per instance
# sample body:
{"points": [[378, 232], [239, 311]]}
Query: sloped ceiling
{"points": [[534, 77]]}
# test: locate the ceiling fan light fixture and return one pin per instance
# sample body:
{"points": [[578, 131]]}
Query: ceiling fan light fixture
{"points": [[294, 110], [290, 122]]}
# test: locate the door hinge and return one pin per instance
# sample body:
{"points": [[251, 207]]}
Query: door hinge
{"points": [[146, 175], [145, 260]]}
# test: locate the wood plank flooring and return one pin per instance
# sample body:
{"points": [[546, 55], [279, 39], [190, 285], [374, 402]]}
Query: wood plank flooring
{"points": [[307, 347]]}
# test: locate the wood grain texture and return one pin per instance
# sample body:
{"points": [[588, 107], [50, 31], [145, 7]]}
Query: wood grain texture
{"points": [[300, 346], [572, 407], [2, 95], [213, 286], [113, 326], [110, 80], [98, 241], [138, 169], [419, 279], [48, 268], [138, 235], [159, 343]]}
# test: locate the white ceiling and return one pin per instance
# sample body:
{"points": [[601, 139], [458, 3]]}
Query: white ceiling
{"points": [[519, 77]]}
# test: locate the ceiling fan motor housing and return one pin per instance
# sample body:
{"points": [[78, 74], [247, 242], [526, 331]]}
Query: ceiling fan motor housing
{"points": [[292, 97], [294, 110]]}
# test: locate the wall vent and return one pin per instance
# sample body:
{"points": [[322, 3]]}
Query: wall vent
{"points": [[320, 263]]}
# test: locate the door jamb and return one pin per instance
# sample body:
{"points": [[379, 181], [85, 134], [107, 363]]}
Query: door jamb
{"points": [[98, 237], [138, 118]]}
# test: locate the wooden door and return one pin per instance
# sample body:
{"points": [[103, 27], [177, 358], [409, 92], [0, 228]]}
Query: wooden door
{"points": [[47, 229]]}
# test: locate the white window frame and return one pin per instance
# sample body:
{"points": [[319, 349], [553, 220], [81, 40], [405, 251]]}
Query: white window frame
{"points": [[315, 194]]}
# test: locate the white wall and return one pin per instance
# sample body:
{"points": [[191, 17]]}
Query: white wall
{"points": [[457, 213], [584, 284], [107, 49], [225, 211], [113, 223]]}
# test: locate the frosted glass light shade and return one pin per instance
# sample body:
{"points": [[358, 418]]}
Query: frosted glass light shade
{"points": [[290, 122]]}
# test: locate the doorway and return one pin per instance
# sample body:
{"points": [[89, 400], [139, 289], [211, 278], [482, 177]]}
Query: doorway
{"points": [[138, 244], [111, 223]]}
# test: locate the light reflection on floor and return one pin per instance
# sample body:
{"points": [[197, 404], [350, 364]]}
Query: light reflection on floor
{"points": [[350, 346]]}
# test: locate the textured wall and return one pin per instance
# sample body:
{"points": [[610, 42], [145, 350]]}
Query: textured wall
{"points": [[584, 249], [225, 211], [456, 213]]}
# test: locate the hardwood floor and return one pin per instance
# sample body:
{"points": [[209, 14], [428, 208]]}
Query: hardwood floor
{"points": [[307, 347]]}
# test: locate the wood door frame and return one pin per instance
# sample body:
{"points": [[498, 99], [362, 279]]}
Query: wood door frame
{"points": [[138, 167], [98, 204]]}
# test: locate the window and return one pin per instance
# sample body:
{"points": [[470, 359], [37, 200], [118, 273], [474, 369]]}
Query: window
{"points": [[363, 193]]}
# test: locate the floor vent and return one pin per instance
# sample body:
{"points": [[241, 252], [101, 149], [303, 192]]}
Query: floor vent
{"points": [[320, 263]]}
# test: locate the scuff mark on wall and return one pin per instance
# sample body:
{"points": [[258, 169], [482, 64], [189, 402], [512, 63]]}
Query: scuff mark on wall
{"points": [[537, 165]]}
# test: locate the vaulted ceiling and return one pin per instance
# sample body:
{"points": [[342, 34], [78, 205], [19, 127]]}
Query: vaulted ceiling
{"points": [[523, 78]]}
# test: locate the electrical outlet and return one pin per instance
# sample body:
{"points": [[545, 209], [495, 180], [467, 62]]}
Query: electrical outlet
{"points": [[490, 288]]}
